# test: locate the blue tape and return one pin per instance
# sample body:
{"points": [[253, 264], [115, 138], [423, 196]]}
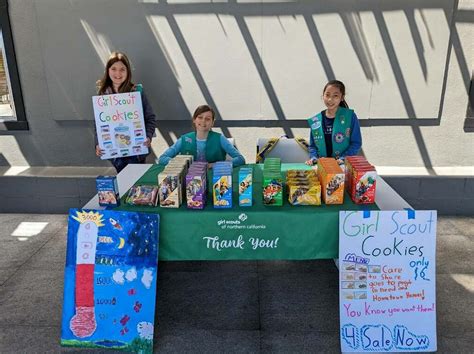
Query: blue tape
{"points": [[366, 214], [411, 213]]}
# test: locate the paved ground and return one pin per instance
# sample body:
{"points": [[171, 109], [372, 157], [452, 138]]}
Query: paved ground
{"points": [[219, 306]]}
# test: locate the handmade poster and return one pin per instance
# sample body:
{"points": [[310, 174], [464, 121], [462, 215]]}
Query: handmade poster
{"points": [[387, 281], [110, 280], [120, 124]]}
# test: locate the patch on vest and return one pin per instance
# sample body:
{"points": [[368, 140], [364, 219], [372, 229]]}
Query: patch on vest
{"points": [[316, 123], [348, 132], [339, 137], [188, 139]]}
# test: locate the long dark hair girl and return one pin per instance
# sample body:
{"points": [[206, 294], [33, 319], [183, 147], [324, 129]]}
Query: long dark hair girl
{"points": [[104, 83]]}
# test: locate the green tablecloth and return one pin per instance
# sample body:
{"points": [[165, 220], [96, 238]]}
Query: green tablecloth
{"points": [[256, 232]]}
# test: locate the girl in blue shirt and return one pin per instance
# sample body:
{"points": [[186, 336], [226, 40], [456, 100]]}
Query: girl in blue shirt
{"points": [[204, 144], [335, 131]]}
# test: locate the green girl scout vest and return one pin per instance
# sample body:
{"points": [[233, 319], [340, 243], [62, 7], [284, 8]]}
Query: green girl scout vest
{"points": [[138, 88], [214, 151], [341, 132]]}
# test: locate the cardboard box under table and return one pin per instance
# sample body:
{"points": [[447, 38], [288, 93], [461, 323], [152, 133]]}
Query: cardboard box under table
{"points": [[257, 232]]}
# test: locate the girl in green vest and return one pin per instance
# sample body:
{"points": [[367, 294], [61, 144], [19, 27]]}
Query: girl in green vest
{"points": [[335, 131], [204, 144]]}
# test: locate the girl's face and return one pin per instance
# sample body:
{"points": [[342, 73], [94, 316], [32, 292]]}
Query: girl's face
{"points": [[204, 122], [332, 96], [118, 73]]}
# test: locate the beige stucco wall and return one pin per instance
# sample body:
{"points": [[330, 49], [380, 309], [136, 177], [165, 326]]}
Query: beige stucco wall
{"points": [[407, 66]]}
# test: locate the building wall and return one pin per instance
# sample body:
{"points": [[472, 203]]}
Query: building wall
{"points": [[407, 66]]}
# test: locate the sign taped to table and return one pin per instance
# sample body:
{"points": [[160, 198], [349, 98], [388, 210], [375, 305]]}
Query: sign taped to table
{"points": [[387, 280], [120, 125], [110, 280]]}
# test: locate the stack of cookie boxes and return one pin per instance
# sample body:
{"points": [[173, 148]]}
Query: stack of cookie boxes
{"points": [[170, 181], [272, 182], [303, 187], [107, 190], [196, 185], [361, 179], [245, 186], [222, 184], [331, 177]]}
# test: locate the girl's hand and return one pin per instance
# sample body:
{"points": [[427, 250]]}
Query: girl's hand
{"points": [[147, 142], [209, 165], [311, 162], [98, 151]]}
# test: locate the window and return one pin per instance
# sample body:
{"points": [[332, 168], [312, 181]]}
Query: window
{"points": [[12, 111]]}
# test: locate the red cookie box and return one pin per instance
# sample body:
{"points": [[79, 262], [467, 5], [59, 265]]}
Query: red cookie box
{"points": [[354, 167], [349, 162], [363, 184]]}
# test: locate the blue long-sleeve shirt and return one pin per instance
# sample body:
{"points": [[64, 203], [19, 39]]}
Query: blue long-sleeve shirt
{"points": [[172, 151], [354, 145]]}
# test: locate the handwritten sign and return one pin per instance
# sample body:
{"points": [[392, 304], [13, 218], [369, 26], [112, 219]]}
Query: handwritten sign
{"points": [[110, 280], [120, 125], [387, 281]]}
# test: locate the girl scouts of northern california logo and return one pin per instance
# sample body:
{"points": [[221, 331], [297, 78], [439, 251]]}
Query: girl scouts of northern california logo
{"points": [[339, 137]]}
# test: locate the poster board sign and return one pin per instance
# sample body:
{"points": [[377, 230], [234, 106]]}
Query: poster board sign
{"points": [[387, 298], [120, 124], [110, 280]]}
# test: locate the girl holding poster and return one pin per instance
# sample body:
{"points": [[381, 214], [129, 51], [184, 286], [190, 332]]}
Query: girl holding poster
{"points": [[118, 79], [335, 132], [204, 144]]}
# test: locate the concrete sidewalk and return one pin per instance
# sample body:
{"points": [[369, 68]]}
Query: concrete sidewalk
{"points": [[256, 306]]}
